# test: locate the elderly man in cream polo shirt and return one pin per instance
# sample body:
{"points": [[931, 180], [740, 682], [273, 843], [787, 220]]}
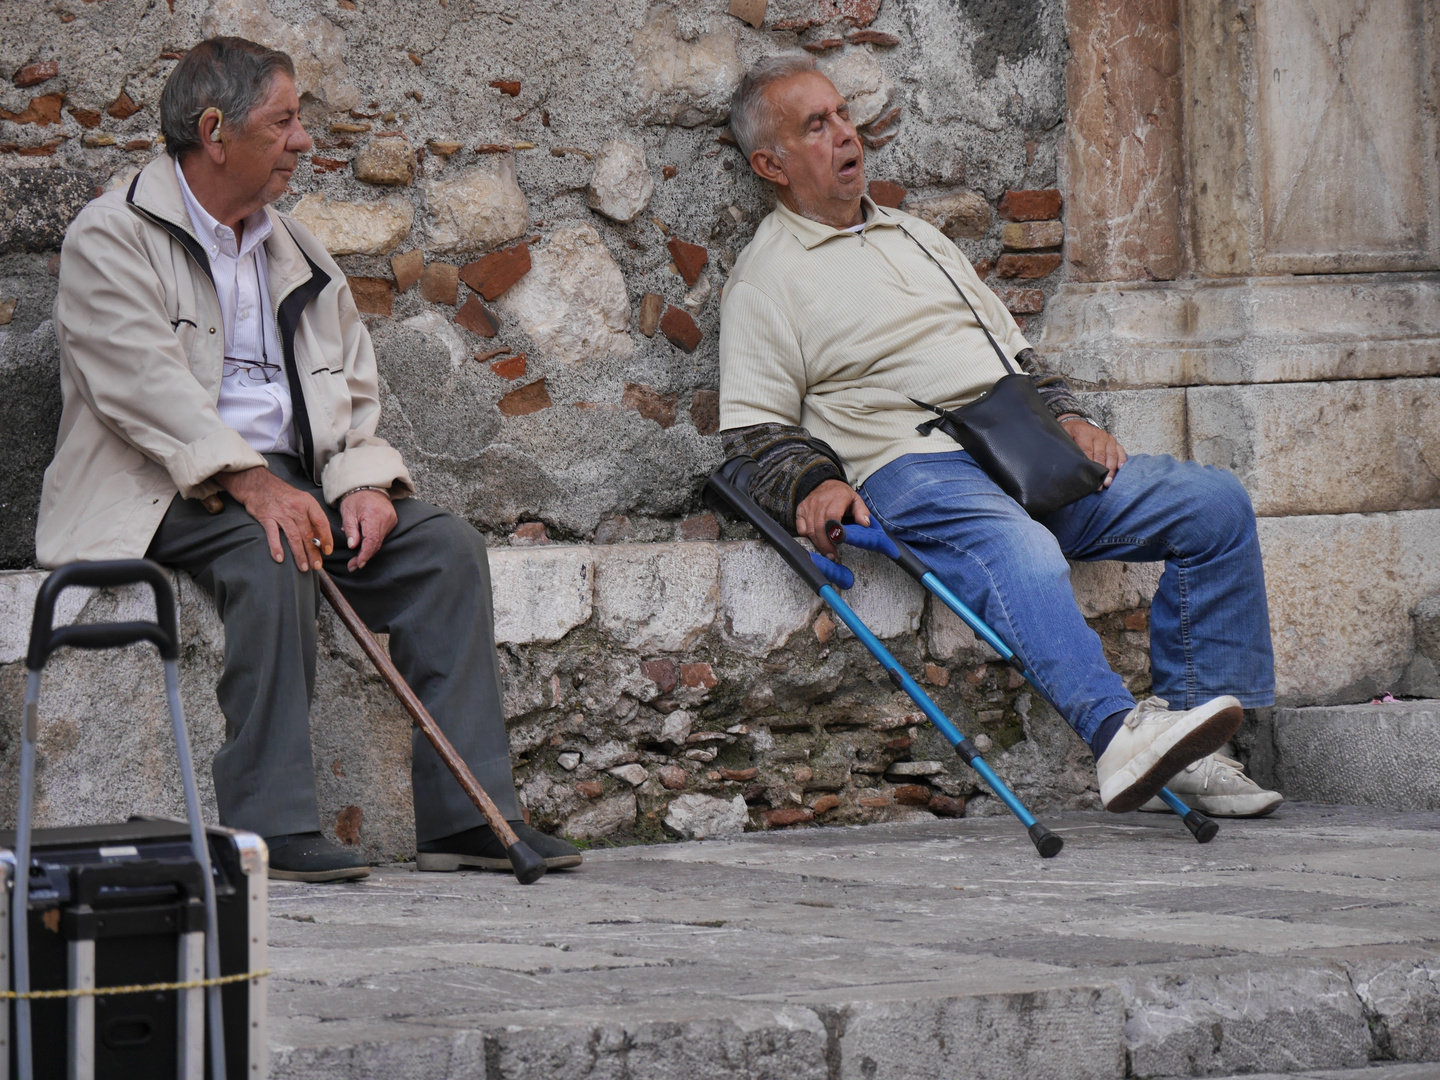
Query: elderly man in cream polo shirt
{"points": [[210, 345], [837, 319]]}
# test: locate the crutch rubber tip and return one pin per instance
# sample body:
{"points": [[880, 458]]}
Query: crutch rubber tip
{"points": [[528, 866], [1045, 841], [1201, 827]]}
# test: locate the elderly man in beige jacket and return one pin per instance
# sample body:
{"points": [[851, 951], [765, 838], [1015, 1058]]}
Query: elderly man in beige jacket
{"points": [[210, 346]]}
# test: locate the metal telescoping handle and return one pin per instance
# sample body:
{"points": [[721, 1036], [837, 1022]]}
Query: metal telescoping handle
{"points": [[44, 640]]}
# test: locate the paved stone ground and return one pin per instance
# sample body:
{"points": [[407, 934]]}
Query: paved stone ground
{"points": [[1306, 942]]}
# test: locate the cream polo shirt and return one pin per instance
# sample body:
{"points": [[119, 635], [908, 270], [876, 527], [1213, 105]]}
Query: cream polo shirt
{"points": [[836, 331]]}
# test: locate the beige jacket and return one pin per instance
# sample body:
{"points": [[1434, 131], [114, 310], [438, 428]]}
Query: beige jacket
{"points": [[141, 356]]}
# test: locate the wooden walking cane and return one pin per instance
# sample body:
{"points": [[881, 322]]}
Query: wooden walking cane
{"points": [[528, 866]]}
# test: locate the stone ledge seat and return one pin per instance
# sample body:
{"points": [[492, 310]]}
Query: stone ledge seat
{"points": [[105, 746]]}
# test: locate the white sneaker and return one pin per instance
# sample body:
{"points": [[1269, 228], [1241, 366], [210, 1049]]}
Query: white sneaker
{"points": [[1154, 744], [1217, 786]]}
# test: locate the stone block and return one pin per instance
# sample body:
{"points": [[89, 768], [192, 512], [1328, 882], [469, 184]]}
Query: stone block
{"points": [[621, 183], [884, 192], [530, 398], [704, 817], [39, 206], [679, 81], [960, 215], [389, 161], [481, 207], [1340, 589], [678, 326], [477, 318], [861, 81], [1039, 1033], [407, 268], [762, 601], [490, 275], [573, 303], [1360, 755], [1222, 1019], [689, 259], [1258, 330], [1401, 995], [440, 283], [1144, 421], [317, 47], [373, 296], [1324, 448], [605, 817], [1030, 235], [353, 228], [884, 596], [29, 415], [656, 597], [1027, 267], [1123, 140], [1041, 205], [541, 593]]}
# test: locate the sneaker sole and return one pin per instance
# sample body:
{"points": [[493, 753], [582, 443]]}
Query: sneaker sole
{"points": [[1166, 759], [1229, 806], [349, 873], [438, 863]]}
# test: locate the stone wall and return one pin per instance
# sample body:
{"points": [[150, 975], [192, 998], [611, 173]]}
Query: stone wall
{"points": [[1264, 261], [457, 143]]}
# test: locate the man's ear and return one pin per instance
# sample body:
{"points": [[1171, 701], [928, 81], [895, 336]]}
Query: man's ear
{"points": [[211, 142], [768, 166]]}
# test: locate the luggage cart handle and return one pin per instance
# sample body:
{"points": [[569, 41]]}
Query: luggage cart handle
{"points": [[46, 638]]}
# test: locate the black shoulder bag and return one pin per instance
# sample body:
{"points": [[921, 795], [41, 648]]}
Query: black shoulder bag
{"points": [[1012, 434]]}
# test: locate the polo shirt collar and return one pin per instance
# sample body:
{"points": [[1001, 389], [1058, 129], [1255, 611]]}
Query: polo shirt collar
{"points": [[812, 234]]}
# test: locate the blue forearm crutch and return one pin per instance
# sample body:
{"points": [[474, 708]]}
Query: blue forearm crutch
{"points": [[731, 484], [877, 539]]}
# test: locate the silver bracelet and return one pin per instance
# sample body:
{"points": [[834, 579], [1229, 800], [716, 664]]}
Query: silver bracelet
{"points": [[365, 487]]}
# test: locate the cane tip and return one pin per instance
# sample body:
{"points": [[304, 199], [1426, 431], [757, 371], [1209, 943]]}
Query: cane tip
{"points": [[528, 866]]}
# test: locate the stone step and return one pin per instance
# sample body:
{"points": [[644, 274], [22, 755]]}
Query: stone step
{"points": [[1422, 1071], [1364, 755], [943, 949]]}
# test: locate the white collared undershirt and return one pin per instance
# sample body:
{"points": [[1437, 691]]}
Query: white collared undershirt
{"points": [[254, 394]]}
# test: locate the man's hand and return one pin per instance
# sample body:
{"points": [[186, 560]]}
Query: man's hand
{"points": [[281, 508], [831, 501], [1098, 445], [368, 517]]}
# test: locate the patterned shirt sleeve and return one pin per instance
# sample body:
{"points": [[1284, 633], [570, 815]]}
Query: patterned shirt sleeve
{"points": [[791, 463], [1052, 386]]}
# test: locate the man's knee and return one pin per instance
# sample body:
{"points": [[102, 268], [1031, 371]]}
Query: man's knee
{"points": [[249, 569], [452, 543], [1218, 508]]}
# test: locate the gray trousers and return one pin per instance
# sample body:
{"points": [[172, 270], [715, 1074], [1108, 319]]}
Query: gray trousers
{"points": [[428, 587]]}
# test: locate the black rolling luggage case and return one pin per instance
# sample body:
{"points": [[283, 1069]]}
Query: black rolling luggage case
{"points": [[137, 950]]}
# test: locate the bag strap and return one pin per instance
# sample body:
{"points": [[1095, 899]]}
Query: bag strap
{"points": [[1005, 360]]}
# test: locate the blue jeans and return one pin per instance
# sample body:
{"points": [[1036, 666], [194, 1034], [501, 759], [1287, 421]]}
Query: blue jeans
{"points": [[1209, 623]]}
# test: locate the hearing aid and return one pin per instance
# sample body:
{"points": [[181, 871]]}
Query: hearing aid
{"points": [[219, 119]]}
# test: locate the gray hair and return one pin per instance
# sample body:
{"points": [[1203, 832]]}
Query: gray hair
{"points": [[752, 115], [226, 73]]}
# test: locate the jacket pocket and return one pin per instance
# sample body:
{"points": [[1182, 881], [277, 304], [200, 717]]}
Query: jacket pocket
{"points": [[187, 332]]}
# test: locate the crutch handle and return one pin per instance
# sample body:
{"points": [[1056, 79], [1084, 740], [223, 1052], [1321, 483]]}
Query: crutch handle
{"points": [[833, 571], [45, 638], [871, 538]]}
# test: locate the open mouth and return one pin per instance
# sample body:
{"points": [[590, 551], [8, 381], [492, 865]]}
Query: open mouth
{"points": [[849, 167]]}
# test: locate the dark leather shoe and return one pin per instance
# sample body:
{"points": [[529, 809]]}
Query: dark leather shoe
{"points": [[480, 849], [310, 857]]}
